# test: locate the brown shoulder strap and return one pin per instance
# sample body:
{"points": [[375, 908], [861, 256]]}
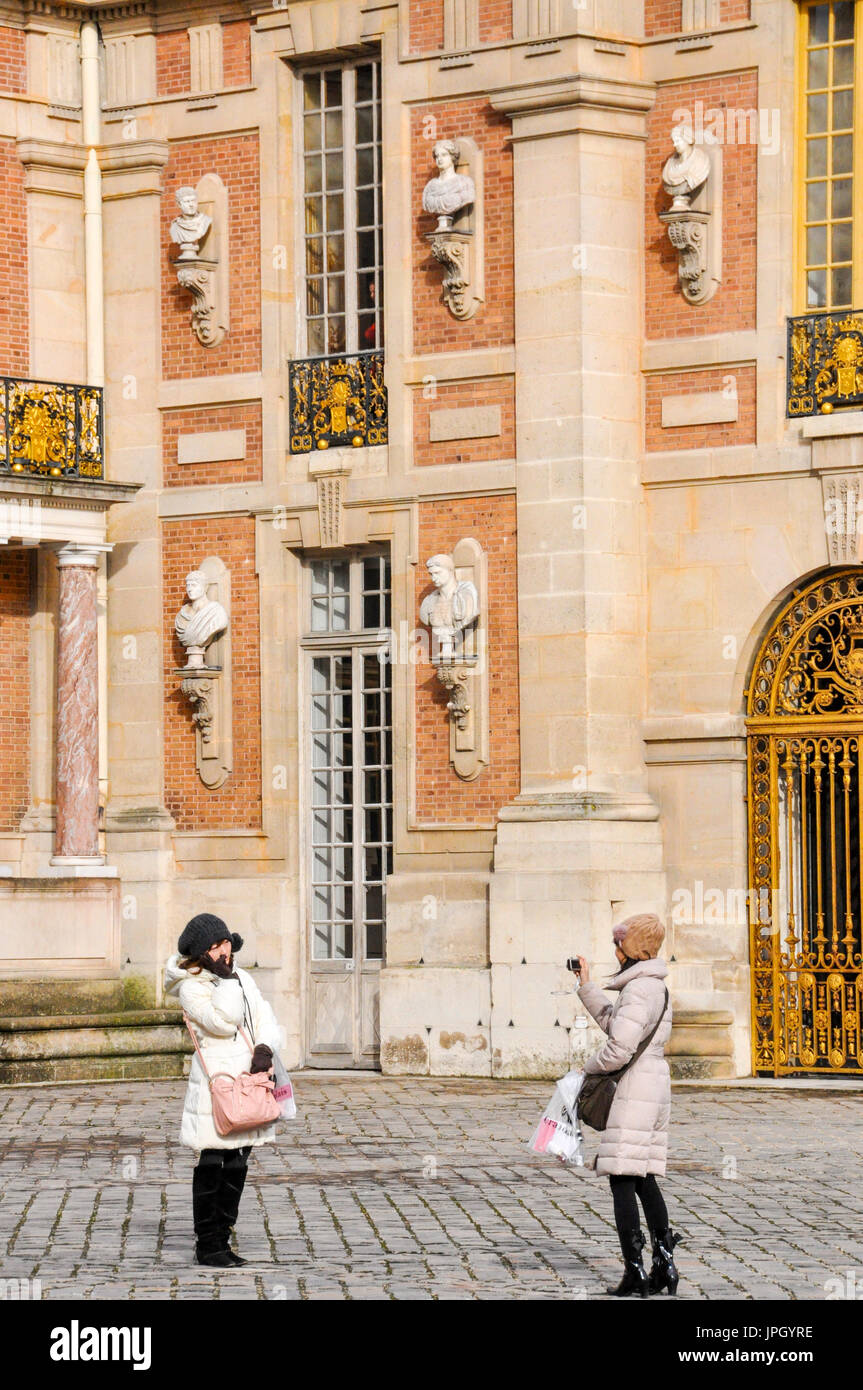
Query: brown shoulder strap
{"points": [[197, 1048]]}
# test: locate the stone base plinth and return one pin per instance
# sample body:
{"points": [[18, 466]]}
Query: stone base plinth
{"points": [[66, 927], [435, 1021]]}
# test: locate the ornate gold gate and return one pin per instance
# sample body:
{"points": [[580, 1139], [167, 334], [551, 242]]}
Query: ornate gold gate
{"points": [[805, 811]]}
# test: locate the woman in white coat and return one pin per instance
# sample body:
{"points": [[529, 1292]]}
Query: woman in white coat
{"points": [[220, 1000], [634, 1144]]}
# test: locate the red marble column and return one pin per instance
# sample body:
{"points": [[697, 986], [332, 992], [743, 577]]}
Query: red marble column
{"points": [[77, 751]]}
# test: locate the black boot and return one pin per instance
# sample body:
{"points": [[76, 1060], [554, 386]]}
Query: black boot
{"points": [[233, 1180], [663, 1271], [211, 1246], [634, 1277]]}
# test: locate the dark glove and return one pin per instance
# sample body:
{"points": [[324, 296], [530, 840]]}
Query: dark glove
{"points": [[262, 1058], [223, 968]]}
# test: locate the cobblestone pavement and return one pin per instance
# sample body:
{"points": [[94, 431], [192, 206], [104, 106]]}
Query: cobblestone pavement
{"points": [[422, 1189]]}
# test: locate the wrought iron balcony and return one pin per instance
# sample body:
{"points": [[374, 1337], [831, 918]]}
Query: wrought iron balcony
{"points": [[825, 362], [50, 429], [336, 401]]}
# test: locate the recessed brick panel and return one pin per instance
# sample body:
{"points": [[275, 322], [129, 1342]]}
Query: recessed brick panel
{"points": [[14, 276], [731, 11], [495, 21], [236, 53], [207, 420], [498, 392], [13, 60], [662, 17], [435, 329], [440, 794], [235, 159], [173, 63], [426, 26], [14, 686], [714, 436], [237, 804], [667, 314]]}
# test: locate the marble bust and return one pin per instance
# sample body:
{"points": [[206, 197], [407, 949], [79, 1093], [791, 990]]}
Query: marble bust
{"points": [[685, 171], [199, 620], [450, 609], [189, 229], [448, 192]]}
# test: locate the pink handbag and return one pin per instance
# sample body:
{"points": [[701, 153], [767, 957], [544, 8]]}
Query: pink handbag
{"points": [[240, 1102]]}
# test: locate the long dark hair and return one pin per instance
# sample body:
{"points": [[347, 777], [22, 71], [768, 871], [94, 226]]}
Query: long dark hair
{"points": [[195, 964]]}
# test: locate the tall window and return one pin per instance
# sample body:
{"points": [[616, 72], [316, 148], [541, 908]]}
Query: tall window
{"points": [[342, 209], [350, 752], [829, 277]]}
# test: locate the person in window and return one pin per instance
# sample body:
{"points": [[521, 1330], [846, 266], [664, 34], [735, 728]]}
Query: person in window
{"points": [[219, 1000], [634, 1144], [370, 331]]}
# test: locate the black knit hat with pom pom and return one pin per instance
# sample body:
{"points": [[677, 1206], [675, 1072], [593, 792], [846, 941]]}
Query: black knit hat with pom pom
{"points": [[204, 931]]}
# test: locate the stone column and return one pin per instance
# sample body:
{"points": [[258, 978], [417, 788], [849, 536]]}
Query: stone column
{"points": [[77, 753], [580, 847]]}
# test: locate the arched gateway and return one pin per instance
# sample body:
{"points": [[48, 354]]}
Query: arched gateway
{"points": [[805, 814]]}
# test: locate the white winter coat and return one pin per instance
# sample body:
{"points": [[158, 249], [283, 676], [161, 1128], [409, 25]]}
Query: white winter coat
{"points": [[216, 1011], [635, 1141]]}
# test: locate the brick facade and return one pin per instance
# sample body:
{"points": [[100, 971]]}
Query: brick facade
{"points": [[426, 26], [237, 804], [740, 431], [667, 314], [173, 63], [435, 330], [207, 419], [14, 267], [733, 11], [440, 795], [662, 17], [13, 60], [235, 159], [236, 53], [14, 686], [498, 391], [495, 21]]}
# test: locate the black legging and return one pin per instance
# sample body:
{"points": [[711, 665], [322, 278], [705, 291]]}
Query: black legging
{"points": [[623, 1190]]}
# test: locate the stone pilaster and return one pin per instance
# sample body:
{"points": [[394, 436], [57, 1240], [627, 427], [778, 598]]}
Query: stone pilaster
{"points": [[77, 745], [580, 847]]}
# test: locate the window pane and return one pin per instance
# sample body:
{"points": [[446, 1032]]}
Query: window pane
{"points": [[311, 91], [365, 125], [365, 166], [374, 940], [366, 207], [842, 285], [816, 246], [365, 82], [333, 88], [816, 158], [843, 20], [841, 201], [335, 171], [841, 242], [312, 132], [816, 202], [842, 153], [816, 289], [314, 215], [843, 66], [314, 256], [335, 212], [315, 334], [816, 113], [843, 110], [817, 69], [313, 173], [333, 129]]}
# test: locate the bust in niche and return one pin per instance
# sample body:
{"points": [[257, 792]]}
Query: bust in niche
{"points": [[189, 229], [686, 171], [450, 609], [449, 191], [199, 621]]}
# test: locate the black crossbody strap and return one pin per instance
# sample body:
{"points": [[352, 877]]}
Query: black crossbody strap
{"points": [[645, 1042]]}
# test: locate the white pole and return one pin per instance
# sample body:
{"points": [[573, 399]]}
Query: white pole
{"points": [[91, 121]]}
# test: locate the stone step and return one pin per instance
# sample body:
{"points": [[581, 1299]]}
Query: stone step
{"points": [[699, 1068], [162, 1066], [26, 997], [124, 1018], [38, 1044]]}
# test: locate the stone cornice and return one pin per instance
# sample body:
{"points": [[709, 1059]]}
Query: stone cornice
{"points": [[95, 495], [583, 102]]}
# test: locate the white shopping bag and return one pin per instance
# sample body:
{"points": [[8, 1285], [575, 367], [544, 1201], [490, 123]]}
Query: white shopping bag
{"points": [[284, 1090], [558, 1132]]}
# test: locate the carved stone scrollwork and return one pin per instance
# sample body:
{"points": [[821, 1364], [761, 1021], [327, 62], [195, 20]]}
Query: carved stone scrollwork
{"points": [[687, 232], [453, 251], [203, 629], [455, 679], [199, 277], [198, 690]]}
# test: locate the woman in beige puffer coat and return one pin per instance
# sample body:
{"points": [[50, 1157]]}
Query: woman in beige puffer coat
{"points": [[634, 1144]]}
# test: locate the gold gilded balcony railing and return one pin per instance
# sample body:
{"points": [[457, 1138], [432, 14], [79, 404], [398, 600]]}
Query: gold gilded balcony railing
{"points": [[825, 362], [49, 429], [337, 401]]}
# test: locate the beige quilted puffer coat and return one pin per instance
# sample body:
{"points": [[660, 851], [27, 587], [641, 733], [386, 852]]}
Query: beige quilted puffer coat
{"points": [[635, 1141]]}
